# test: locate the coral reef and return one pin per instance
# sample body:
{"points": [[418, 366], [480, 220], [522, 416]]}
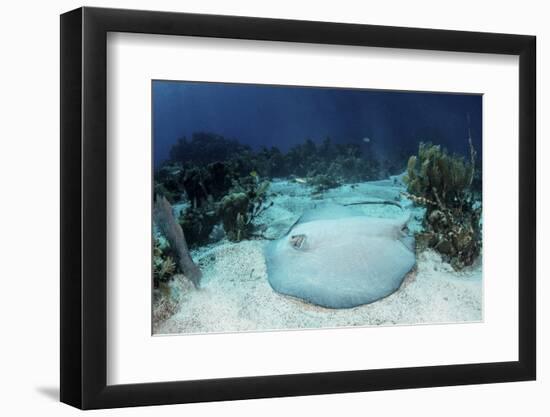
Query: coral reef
{"points": [[205, 148], [239, 208], [168, 182], [342, 162], [235, 207], [349, 162], [323, 182], [225, 182], [442, 184], [193, 184], [197, 223], [204, 184]]}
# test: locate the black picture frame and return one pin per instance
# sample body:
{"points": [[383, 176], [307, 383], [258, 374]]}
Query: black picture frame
{"points": [[84, 207]]}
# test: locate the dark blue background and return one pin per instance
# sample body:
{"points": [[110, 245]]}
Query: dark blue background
{"points": [[283, 116]]}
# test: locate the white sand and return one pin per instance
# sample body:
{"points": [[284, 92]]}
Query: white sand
{"points": [[236, 296]]}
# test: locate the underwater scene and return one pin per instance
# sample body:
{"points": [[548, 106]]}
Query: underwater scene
{"points": [[293, 207]]}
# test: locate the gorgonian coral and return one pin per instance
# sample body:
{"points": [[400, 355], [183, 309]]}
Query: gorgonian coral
{"points": [[442, 184]]}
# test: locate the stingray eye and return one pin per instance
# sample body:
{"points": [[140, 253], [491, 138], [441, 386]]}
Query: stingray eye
{"points": [[297, 241]]}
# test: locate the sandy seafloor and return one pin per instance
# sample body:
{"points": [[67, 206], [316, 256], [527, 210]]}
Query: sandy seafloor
{"points": [[235, 294]]}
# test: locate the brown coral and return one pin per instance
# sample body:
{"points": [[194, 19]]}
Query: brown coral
{"points": [[441, 183]]}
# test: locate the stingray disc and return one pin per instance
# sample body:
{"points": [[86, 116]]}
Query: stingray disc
{"points": [[338, 259]]}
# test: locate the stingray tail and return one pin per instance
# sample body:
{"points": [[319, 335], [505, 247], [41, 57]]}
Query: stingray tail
{"points": [[403, 222], [386, 202]]}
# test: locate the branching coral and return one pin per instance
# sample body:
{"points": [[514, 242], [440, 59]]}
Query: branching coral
{"points": [[442, 183], [239, 208]]}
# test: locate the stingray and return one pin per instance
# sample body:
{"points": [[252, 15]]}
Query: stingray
{"points": [[337, 257]]}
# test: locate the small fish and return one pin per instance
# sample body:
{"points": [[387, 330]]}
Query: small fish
{"points": [[366, 140], [254, 174], [301, 180]]}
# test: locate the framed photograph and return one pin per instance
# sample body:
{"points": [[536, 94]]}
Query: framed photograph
{"points": [[256, 208]]}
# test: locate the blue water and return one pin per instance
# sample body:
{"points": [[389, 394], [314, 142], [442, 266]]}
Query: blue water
{"points": [[282, 116]]}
